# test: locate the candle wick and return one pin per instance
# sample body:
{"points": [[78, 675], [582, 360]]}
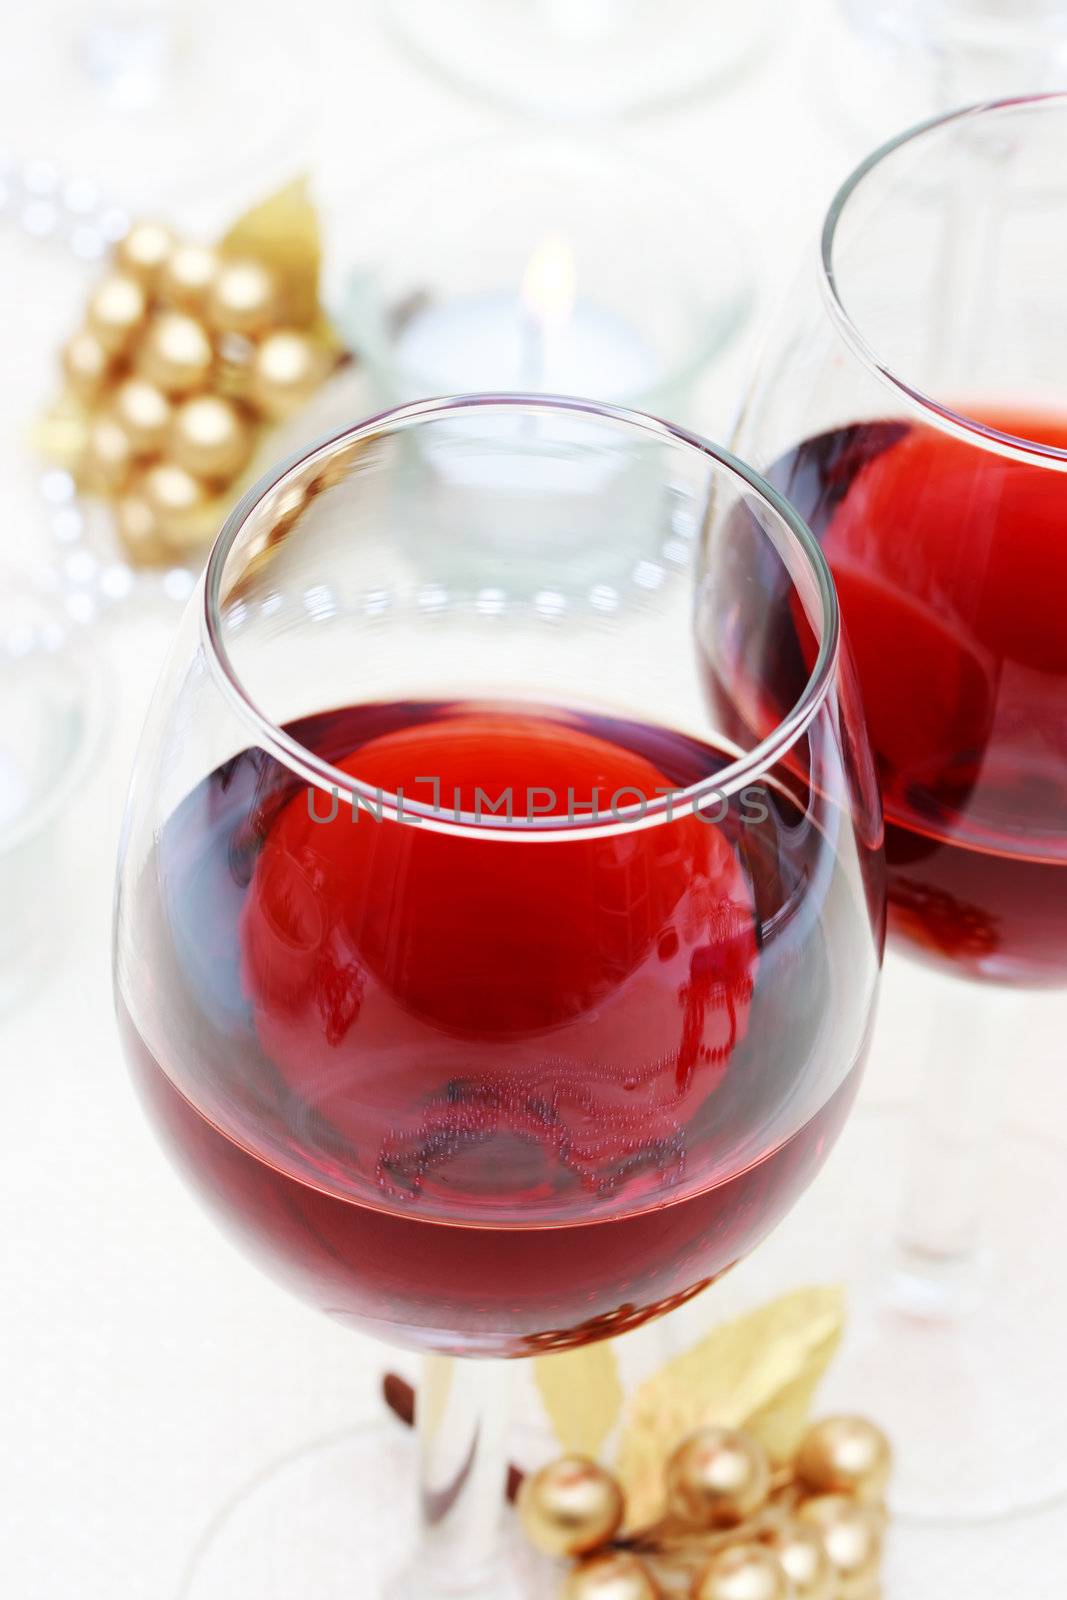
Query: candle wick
{"points": [[532, 366]]}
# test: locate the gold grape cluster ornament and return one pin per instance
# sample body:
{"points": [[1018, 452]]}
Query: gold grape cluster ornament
{"points": [[186, 355], [735, 1527]]}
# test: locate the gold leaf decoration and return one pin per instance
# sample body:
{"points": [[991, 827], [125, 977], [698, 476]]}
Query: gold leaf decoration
{"points": [[582, 1395], [758, 1372], [780, 1424], [283, 232]]}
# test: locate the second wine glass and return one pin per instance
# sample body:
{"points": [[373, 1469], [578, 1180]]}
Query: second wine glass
{"points": [[911, 407]]}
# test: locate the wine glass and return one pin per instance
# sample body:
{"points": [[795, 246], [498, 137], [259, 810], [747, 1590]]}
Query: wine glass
{"points": [[493, 986], [911, 408], [941, 53]]}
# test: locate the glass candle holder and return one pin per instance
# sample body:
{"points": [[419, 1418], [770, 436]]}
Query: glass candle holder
{"points": [[551, 267]]}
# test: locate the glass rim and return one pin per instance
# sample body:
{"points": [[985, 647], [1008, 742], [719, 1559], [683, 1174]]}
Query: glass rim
{"points": [[945, 417], [302, 761]]}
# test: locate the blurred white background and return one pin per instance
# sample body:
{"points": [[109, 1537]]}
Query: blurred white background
{"points": [[147, 1370]]}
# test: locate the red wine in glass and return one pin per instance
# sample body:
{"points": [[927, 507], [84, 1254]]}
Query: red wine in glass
{"points": [[951, 567], [491, 1097]]}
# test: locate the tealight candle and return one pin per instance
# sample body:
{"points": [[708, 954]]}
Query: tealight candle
{"points": [[544, 338], [576, 284], [576, 287]]}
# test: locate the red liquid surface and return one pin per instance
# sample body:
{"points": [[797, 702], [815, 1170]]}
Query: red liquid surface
{"points": [[951, 565], [485, 1095]]}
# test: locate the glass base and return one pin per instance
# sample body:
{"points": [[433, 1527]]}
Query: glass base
{"points": [[339, 1520], [959, 1357]]}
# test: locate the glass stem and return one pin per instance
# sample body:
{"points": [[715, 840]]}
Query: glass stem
{"points": [[973, 1036], [462, 1416]]}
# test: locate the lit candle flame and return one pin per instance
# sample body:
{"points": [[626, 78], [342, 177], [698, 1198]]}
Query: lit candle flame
{"points": [[550, 282]]}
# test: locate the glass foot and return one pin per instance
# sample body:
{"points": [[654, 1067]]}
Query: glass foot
{"points": [[339, 1521], [959, 1357]]}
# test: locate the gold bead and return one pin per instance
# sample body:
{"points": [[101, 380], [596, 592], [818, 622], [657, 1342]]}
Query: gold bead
{"points": [[210, 438], [233, 371], [743, 1572], [86, 364], [799, 1548], [286, 370], [243, 297], [138, 530], [718, 1477], [108, 457], [175, 353], [180, 503], [615, 1575], [143, 250], [851, 1533], [570, 1506], [117, 307], [144, 412], [845, 1455], [186, 277]]}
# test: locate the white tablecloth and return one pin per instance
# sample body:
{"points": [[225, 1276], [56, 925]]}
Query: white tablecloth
{"points": [[147, 1370]]}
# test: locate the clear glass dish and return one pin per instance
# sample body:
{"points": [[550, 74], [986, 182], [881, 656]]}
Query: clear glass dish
{"points": [[52, 714]]}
